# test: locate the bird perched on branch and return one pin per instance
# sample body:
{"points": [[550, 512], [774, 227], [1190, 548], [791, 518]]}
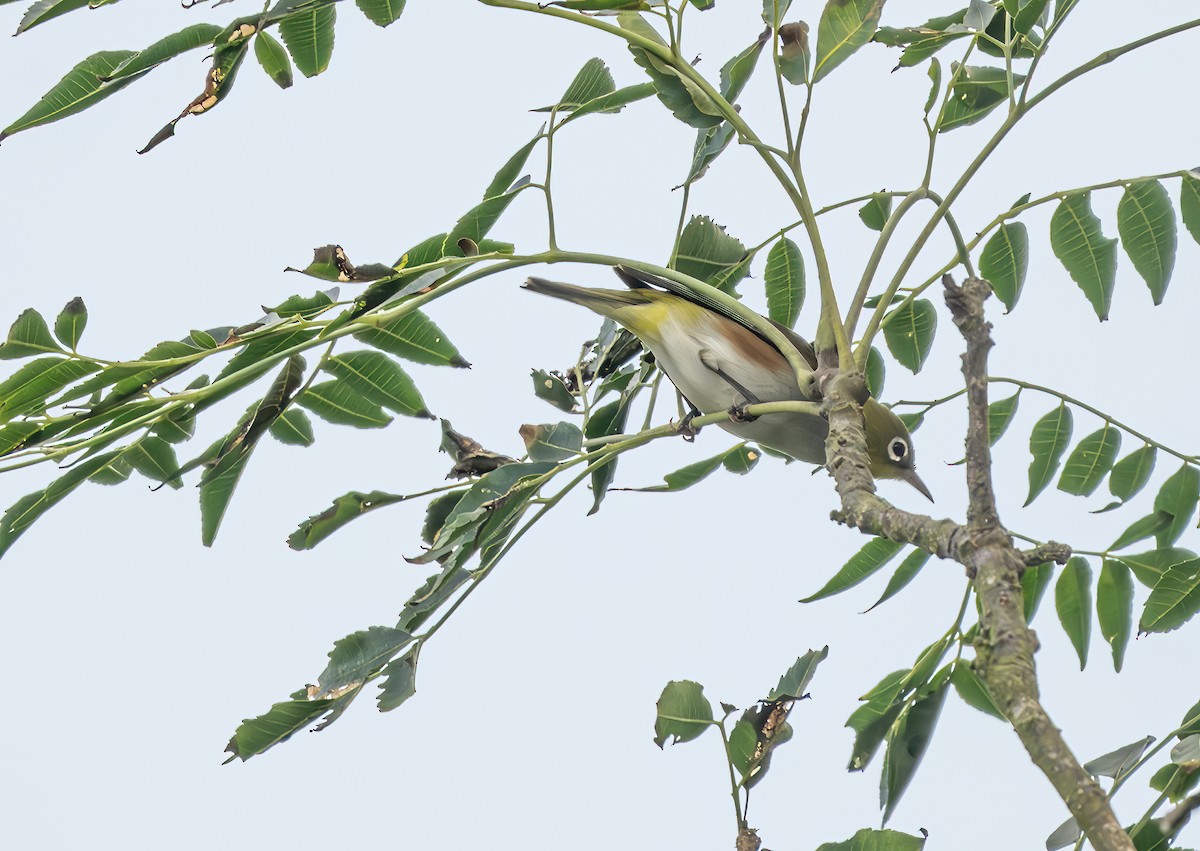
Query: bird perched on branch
{"points": [[720, 362]]}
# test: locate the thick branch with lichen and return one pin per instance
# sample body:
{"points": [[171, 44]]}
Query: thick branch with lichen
{"points": [[1006, 645]]}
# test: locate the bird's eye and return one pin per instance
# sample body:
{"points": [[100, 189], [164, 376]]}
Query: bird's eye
{"points": [[898, 449]]}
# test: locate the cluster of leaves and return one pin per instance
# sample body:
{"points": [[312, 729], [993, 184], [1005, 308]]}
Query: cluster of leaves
{"points": [[684, 714], [306, 27]]}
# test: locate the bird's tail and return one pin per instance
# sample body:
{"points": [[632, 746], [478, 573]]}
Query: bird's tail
{"points": [[605, 302]]}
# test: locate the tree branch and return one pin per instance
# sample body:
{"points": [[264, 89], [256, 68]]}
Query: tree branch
{"points": [[1005, 646]]}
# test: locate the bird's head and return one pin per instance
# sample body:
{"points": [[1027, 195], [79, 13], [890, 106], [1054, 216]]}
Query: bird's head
{"points": [[889, 446]]}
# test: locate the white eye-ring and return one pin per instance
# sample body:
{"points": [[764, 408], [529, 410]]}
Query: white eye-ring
{"points": [[898, 449]]}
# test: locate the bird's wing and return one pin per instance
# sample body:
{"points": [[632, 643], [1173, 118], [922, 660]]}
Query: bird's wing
{"points": [[637, 279]]}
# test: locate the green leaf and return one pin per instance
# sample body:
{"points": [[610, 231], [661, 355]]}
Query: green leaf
{"points": [[29, 335], [875, 212], [905, 573], [972, 690], [357, 656], [381, 12], [875, 371], [273, 59], [1146, 224], [44, 10], [1130, 474], [552, 442], [681, 96], [1090, 461], [1047, 442], [613, 103], [736, 73], [935, 86], [1174, 600], [909, 331], [1034, 582], [26, 390], [1005, 261], [706, 250], [415, 337], [846, 25], [345, 508], [1176, 781], [379, 379], [741, 460], [863, 564], [293, 428], [1149, 567], [15, 435], [795, 58], [907, 743], [338, 402], [155, 459], [477, 222], [188, 38], [1065, 834], [793, 684], [593, 80], [1178, 497], [1145, 527], [977, 90], [215, 493], [877, 840], [400, 680], [1000, 416], [784, 282], [684, 713], [924, 41], [1118, 762], [1114, 607], [69, 325], [874, 718], [607, 420], [1073, 600], [256, 735], [436, 512], [1187, 751], [309, 38], [774, 12], [22, 513], [1088, 256], [1189, 204], [552, 389], [1029, 16]]}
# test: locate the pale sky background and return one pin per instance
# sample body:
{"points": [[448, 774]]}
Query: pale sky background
{"points": [[133, 652]]}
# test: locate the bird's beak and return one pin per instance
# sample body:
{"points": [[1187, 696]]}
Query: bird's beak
{"points": [[913, 479]]}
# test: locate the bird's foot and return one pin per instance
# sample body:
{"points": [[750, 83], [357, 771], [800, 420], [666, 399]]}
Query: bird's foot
{"points": [[685, 427], [738, 414]]}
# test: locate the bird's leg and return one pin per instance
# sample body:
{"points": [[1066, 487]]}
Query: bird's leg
{"points": [[685, 427]]}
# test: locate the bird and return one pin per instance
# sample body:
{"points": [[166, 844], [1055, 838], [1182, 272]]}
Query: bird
{"points": [[720, 362]]}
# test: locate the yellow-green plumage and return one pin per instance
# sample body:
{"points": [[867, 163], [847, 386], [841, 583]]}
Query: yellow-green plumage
{"points": [[719, 362]]}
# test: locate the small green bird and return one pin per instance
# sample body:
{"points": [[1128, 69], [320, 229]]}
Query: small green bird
{"points": [[719, 362]]}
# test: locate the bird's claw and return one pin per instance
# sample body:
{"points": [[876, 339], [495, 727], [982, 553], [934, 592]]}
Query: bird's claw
{"points": [[685, 427], [738, 414]]}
